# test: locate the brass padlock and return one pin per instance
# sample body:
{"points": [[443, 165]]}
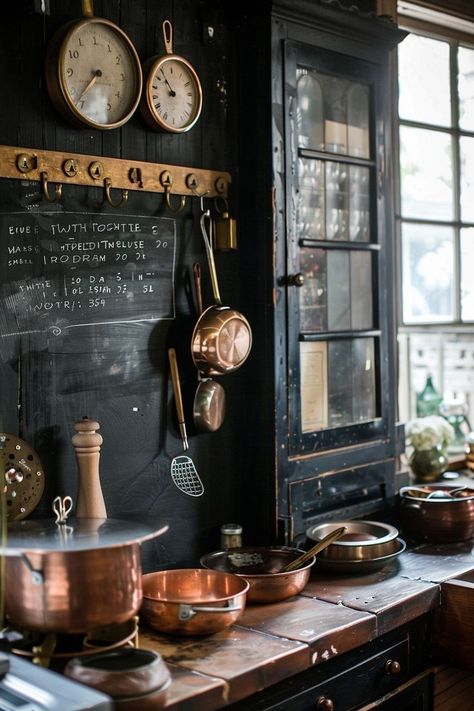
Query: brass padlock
{"points": [[225, 231]]}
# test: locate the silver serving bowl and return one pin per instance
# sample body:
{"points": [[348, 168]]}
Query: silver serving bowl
{"points": [[363, 540]]}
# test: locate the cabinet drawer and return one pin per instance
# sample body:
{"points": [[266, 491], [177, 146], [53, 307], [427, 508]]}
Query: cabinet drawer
{"points": [[371, 678]]}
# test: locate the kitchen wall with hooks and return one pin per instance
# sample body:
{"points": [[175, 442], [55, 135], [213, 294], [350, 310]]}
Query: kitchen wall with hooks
{"points": [[107, 358]]}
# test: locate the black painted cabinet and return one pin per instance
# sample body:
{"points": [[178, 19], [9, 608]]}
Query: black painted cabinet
{"points": [[332, 259]]}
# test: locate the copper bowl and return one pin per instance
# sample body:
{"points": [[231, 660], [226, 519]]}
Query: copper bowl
{"points": [[192, 601], [134, 678], [436, 517], [261, 567], [363, 540]]}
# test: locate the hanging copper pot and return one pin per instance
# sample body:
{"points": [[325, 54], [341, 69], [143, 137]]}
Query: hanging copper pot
{"points": [[222, 337]]}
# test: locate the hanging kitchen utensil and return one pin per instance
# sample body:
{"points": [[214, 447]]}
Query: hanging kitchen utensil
{"points": [[24, 477], [209, 399], [183, 471], [222, 337], [86, 441]]}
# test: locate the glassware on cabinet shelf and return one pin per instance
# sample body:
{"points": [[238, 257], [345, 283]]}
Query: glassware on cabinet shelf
{"points": [[358, 120], [335, 114], [310, 206], [309, 117]]}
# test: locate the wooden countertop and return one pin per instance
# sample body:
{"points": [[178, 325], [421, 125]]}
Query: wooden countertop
{"points": [[333, 615]]}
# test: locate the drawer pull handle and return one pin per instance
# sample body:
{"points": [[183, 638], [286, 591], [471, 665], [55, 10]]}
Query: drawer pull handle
{"points": [[392, 667], [324, 704]]}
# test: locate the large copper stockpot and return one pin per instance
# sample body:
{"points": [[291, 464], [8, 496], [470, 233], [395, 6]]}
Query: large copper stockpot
{"points": [[222, 337], [74, 577], [437, 515]]}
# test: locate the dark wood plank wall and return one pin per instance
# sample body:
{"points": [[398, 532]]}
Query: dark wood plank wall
{"points": [[118, 374]]}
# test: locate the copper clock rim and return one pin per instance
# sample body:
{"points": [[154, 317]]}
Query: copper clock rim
{"points": [[58, 88], [153, 69]]}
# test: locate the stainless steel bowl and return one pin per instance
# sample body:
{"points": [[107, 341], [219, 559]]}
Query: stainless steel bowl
{"points": [[363, 540], [261, 566]]}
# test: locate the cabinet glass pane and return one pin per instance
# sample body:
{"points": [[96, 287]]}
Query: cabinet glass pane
{"points": [[428, 273], [332, 201], [424, 95], [466, 88], [337, 290], [337, 383], [332, 114], [426, 174]]}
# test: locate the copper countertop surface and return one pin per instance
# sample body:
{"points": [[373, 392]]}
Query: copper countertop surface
{"points": [[333, 615]]}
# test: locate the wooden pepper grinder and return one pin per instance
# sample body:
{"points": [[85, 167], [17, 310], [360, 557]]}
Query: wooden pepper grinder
{"points": [[87, 441]]}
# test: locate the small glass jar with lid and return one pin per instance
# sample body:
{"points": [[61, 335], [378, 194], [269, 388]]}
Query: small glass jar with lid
{"points": [[231, 535]]}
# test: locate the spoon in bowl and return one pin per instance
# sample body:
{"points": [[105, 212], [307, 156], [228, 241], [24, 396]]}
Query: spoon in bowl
{"points": [[319, 546]]}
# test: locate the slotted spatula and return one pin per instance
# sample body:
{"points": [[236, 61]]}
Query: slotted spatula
{"points": [[183, 471]]}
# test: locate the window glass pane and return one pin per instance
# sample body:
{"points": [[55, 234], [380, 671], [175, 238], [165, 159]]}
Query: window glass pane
{"points": [[309, 116], [423, 68], [310, 213], [467, 272], [466, 88], [466, 148], [426, 174], [427, 254]]}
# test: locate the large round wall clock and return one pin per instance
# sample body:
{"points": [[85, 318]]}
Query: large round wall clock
{"points": [[93, 73], [172, 94]]}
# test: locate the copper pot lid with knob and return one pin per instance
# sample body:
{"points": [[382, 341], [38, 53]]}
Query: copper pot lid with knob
{"points": [[76, 534]]}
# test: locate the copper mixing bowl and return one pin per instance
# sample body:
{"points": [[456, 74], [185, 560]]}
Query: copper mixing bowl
{"points": [[192, 601], [261, 567]]}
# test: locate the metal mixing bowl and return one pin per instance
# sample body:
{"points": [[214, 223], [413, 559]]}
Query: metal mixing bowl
{"points": [[363, 540], [261, 566]]}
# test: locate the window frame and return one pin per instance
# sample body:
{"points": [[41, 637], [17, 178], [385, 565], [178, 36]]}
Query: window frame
{"points": [[454, 38]]}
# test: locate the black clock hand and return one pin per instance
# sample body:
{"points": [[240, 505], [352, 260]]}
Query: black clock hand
{"points": [[172, 93]]}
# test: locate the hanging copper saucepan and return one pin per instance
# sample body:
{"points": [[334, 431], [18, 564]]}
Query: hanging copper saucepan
{"points": [[209, 399], [222, 337]]}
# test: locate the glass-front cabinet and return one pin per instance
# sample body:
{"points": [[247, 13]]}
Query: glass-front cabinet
{"points": [[335, 250], [336, 433]]}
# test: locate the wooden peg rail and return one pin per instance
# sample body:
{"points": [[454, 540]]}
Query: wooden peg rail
{"points": [[59, 169]]}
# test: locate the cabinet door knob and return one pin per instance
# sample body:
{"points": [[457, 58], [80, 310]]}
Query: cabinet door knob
{"points": [[392, 667], [324, 704], [296, 279]]}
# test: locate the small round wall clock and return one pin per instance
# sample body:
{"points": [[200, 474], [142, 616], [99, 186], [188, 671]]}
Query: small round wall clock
{"points": [[172, 94], [93, 73]]}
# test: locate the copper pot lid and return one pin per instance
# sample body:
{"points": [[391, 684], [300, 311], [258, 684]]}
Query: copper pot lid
{"points": [[77, 534]]}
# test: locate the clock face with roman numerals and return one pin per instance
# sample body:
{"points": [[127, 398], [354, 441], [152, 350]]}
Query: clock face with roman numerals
{"points": [[172, 98]]}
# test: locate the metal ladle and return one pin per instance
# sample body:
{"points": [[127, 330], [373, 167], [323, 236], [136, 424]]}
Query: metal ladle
{"points": [[317, 548]]}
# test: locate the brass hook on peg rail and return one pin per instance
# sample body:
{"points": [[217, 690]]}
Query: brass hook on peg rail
{"points": [[166, 181], [192, 183], [58, 188], [108, 187]]}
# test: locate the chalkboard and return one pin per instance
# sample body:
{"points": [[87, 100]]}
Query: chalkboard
{"points": [[62, 270]]}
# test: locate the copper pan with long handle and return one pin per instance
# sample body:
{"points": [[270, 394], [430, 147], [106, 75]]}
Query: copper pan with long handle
{"points": [[222, 337]]}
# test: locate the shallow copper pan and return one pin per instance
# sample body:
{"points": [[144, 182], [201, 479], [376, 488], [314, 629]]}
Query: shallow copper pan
{"points": [[261, 567], [192, 601]]}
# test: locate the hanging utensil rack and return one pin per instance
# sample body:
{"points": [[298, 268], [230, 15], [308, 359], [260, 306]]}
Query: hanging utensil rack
{"points": [[55, 169]]}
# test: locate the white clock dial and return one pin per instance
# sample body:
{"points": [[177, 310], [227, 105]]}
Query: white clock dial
{"points": [[98, 74], [174, 94]]}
